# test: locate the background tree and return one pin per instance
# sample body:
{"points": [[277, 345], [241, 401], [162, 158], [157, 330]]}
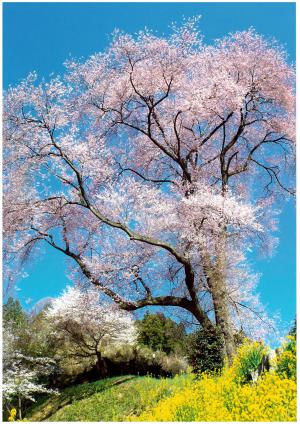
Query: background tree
{"points": [[38, 339], [13, 314], [31, 330], [88, 326], [161, 333], [154, 167]]}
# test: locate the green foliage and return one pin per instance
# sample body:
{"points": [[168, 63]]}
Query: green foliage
{"points": [[161, 333], [227, 396], [287, 359], [38, 340], [13, 314], [206, 352], [29, 335], [293, 330], [32, 331]]}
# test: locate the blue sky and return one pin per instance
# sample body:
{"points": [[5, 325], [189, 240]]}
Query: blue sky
{"points": [[41, 36]]}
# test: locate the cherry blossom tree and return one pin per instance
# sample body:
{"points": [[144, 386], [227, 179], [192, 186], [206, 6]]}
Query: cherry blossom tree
{"points": [[154, 167], [88, 326]]}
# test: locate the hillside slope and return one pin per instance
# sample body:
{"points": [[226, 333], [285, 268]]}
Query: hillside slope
{"points": [[112, 399]]}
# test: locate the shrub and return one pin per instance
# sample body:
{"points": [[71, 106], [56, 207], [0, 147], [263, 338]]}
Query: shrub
{"points": [[173, 364], [207, 351], [143, 360], [293, 330]]}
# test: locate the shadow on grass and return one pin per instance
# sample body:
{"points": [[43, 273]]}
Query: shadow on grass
{"points": [[45, 407]]}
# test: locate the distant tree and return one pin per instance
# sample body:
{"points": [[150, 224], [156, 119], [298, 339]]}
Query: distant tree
{"points": [[38, 336], [88, 326], [161, 333], [207, 350], [31, 330], [14, 313]]}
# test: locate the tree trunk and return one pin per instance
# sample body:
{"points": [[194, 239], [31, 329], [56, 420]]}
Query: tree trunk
{"points": [[218, 292], [98, 363], [216, 282], [20, 408], [200, 316], [101, 365]]}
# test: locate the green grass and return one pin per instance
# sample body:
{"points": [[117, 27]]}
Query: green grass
{"points": [[112, 399]]}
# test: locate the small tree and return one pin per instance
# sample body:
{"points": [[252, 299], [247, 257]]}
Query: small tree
{"points": [[21, 383], [207, 352], [21, 374], [88, 326]]}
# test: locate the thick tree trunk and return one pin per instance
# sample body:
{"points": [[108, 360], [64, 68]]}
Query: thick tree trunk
{"points": [[216, 282], [101, 365], [218, 292]]}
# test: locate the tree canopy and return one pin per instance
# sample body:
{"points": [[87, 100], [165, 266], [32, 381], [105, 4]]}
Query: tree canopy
{"points": [[78, 317], [154, 167]]}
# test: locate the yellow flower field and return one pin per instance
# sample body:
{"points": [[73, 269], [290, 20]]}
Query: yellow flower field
{"points": [[225, 398]]}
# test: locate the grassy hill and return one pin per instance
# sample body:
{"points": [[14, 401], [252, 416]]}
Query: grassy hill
{"points": [[111, 399], [229, 395]]}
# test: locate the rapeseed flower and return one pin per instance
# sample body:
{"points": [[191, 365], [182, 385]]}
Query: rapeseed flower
{"points": [[229, 397]]}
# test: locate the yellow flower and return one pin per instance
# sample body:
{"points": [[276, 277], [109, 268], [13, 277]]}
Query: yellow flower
{"points": [[225, 398], [12, 415]]}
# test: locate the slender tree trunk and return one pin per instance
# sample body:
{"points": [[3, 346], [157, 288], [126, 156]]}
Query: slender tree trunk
{"points": [[8, 408], [20, 408], [218, 285]]}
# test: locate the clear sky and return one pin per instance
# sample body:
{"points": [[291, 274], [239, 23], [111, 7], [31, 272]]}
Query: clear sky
{"points": [[41, 36]]}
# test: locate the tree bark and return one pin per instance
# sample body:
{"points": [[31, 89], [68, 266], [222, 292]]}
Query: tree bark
{"points": [[218, 292], [216, 283], [101, 365], [20, 408]]}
